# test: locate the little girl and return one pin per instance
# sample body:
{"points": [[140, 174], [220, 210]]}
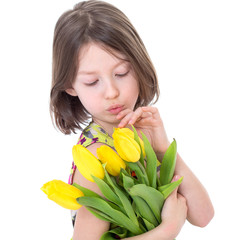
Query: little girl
{"points": [[102, 72]]}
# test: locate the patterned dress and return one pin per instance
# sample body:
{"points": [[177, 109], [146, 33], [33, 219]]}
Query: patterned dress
{"points": [[93, 133]]}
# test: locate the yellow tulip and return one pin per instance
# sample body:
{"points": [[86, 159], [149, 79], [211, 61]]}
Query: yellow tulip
{"points": [[114, 162], [130, 133], [126, 146], [87, 163], [63, 194], [125, 131]]}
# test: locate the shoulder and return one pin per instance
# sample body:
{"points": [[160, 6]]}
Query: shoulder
{"points": [[93, 147]]}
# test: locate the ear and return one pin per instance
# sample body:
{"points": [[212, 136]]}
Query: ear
{"points": [[71, 92]]}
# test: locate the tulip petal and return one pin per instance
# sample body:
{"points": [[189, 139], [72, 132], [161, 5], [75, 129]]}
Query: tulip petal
{"points": [[87, 163], [114, 162], [130, 133], [63, 194], [64, 201], [127, 148]]}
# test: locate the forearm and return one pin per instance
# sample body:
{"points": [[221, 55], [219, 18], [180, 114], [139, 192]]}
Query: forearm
{"points": [[200, 209], [162, 232]]}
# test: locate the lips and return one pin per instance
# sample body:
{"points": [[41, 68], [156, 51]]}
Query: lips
{"points": [[115, 109]]}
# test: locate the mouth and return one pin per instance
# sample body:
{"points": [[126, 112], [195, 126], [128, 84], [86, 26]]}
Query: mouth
{"points": [[115, 109]]}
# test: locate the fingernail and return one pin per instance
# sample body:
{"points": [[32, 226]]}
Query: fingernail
{"points": [[130, 122], [176, 177]]}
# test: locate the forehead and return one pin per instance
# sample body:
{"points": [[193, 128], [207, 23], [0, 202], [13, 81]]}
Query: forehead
{"points": [[92, 53]]}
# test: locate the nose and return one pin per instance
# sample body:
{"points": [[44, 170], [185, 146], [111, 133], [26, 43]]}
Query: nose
{"points": [[111, 90]]}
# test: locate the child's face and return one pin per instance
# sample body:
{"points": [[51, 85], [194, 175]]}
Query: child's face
{"points": [[104, 84]]}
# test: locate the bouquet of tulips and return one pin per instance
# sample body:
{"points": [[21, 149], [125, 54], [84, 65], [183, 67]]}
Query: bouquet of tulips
{"points": [[134, 192]]}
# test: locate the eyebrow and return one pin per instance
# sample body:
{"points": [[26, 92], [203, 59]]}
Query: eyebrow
{"points": [[93, 72]]}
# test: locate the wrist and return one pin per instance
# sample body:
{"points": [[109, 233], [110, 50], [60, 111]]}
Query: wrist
{"points": [[168, 230]]}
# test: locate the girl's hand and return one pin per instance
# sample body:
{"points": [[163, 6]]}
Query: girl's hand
{"points": [[147, 119], [174, 212]]}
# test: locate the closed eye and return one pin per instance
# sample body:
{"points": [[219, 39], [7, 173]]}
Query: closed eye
{"points": [[122, 75], [92, 83]]}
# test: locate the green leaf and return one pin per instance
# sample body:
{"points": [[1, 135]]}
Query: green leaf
{"points": [[144, 210], [107, 191], [136, 138], [168, 164], [139, 171], [111, 234], [151, 162], [153, 198], [124, 172], [128, 182], [124, 200], [117, 216], [167, 189], [87, 192], [148, 225], [100, 215]]}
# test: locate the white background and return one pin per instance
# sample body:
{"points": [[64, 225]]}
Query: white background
{"points": [[186, 42]]}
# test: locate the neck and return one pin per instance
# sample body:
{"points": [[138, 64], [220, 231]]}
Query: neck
{"points": [[108, 127]]}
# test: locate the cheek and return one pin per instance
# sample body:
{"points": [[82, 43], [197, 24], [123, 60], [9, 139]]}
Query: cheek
{"points": [[90, 102], [133, 97], [85, 95], [131, 93], [133, 90]]}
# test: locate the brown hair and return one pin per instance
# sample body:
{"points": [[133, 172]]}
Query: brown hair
{"points": [[99, 22]]}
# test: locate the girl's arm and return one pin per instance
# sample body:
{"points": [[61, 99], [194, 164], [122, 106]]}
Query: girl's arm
{"points": [[88, 227], [148, 120], [200, 208]]}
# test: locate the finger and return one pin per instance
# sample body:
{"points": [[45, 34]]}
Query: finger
{"points": [[130, 117], [151, 109], [182, 200], [145, 122], [141, 116], [180, 196], [175, 178], [123, 113], [138, 114], [125, 120]]}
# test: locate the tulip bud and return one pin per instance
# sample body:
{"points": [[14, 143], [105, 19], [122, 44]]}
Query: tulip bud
{"points": [[87, 163], [63, 194], [130, 133], [127, 147], [114, 162]]}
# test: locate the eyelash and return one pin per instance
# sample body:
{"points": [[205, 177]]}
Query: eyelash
{"points": [[118, 75], [122, 75], [92, 84]]}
